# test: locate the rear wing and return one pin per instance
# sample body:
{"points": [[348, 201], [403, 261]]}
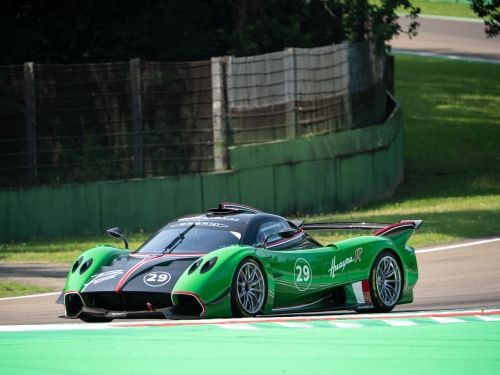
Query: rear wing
{"points": [[398, 232]]}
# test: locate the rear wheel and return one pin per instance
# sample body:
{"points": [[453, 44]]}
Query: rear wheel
{"points": [[248, 289], [385, 282]]}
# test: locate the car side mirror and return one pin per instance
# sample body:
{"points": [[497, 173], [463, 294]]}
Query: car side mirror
{"points": [[283, 233], [117, 233]]}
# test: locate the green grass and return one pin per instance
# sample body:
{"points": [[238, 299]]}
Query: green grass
{"points": [[444, 8], [445, 219], [452, 161], [59, 251], [12, 289], [452, 151]]}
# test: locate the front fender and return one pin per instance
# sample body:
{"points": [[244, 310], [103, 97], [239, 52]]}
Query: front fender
{"points": [[213, 288], [101, 255]]}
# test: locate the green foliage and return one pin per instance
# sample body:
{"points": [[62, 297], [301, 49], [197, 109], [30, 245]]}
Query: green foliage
{"points": [[56, 31], [489, 10], [384, 21]]}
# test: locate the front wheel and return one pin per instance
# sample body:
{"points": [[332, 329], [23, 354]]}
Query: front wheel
{"points": [[385, 282], [248, 289]]}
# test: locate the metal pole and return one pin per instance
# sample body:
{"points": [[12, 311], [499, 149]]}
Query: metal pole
{"points": [[135, 92], [218, 113], [30, 112]]}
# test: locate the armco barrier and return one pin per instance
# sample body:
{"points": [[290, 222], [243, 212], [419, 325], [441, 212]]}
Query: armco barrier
{"points": [[306, 175]]}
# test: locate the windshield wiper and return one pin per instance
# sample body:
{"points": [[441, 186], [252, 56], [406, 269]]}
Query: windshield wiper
{"points": [[177, 240]]}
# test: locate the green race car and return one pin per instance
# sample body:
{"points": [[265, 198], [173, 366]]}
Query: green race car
{"points": [[235, 260]]}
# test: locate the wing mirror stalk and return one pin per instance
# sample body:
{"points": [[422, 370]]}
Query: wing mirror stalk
{"points": [[117, 233]]}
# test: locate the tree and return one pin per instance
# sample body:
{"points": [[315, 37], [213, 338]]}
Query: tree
{"points": [[75, 31], [489, 11]]}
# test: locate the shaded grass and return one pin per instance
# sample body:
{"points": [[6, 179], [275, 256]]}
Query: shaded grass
{"points": [[444, 8], [12, 289], [452, 152], [452, 134]]}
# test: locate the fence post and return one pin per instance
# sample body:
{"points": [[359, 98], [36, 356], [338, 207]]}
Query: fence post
{"points": [[137, 135], [290, 93], [30, 112], [218, 113]]}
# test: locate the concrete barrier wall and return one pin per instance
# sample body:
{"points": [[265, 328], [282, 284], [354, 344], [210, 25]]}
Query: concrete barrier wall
{"points": [[306, 175]]}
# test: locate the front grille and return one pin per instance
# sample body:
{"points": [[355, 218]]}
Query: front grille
{"points": [[127, 301]]}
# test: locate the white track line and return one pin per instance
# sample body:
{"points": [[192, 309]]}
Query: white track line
{"points": [[444, 18], [400, 323], [241, 326], [446, 320], [341, 321], [30, 296], [488, 318], [294, 325], [450, 247], [345, 324], [442, 56]]}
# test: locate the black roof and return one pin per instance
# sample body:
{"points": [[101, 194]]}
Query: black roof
{"points": [[228, 216]]}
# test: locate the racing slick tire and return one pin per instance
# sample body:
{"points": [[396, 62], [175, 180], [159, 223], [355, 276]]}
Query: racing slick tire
{"points": [[385, 282], [248, 289]]}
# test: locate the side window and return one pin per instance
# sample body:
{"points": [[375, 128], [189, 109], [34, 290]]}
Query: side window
{"points": [[270, 227]]}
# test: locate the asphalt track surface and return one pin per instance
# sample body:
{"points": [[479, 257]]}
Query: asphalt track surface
{"points": [[449, 278], [441, 36]]}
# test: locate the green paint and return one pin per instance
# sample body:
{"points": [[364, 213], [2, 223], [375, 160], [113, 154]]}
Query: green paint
{"points": [[293, 277], [100, 255], [469, 348]]}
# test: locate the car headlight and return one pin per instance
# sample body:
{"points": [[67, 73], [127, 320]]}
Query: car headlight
{"points": [[85, 266], [77, 264], [208, 265], [194, 266]]}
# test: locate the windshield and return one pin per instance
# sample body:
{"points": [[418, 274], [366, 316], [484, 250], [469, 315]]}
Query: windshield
{"points": [[196, 240]]}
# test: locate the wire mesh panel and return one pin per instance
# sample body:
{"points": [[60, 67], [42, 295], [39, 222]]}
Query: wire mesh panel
{"points": [[305, 91], [13, 138], [83, 119], [87, 122], [257, 97], [177, 113], [366, 85], [104, 121], [322, 89]]}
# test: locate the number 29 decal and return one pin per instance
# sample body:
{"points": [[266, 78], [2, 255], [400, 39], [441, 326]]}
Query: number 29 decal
{"points": [[157, 278], [302, 274]]}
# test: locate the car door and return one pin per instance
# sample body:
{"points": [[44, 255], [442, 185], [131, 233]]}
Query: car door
{"points": [[299, 275]]}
